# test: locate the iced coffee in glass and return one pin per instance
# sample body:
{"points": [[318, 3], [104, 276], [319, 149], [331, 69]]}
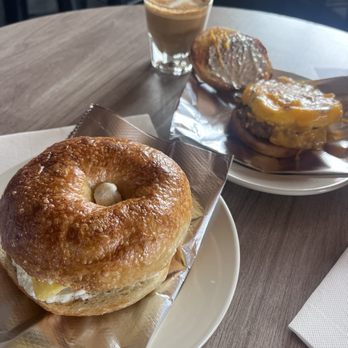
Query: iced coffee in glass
{"points": [[172, 26]]}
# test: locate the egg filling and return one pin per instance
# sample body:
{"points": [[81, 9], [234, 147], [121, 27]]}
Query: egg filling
{"points": [[48, 292]]}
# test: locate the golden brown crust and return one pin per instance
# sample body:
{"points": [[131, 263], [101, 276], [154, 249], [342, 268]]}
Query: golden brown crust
{"points": [[108, 301], [52, 229], [238, 72], [261, 146]]}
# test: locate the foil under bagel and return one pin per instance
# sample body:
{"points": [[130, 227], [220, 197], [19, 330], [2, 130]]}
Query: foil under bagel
{"points": [[24, 324]]}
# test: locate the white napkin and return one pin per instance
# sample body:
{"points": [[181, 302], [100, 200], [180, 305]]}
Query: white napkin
{"points": [[21, 147], [323, 320]]}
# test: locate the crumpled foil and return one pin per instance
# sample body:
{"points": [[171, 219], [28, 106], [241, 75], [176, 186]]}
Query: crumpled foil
{"points": [[203, 115], [24, 324]]}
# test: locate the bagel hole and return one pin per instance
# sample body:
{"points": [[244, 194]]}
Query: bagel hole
{"points": [[106, 193], [126, 189]]}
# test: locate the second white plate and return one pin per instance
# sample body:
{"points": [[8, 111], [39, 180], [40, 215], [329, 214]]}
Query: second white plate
{"points": [[208, 290], [290, 185]]}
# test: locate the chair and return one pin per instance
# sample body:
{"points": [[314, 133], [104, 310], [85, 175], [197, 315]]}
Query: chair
{"points": [[16, 10], [64, 5], [123, 2]]}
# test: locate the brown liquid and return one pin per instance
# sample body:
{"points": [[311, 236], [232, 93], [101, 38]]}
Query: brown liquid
{"points": [[173, 24]]}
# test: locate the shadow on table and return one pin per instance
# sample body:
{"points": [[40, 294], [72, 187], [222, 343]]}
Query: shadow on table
{"points": [[163, 90]]}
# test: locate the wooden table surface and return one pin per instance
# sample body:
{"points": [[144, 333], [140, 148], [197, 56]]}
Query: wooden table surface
{"points": [[52, 68]]}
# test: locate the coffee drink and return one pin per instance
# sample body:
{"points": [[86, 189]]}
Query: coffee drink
{"points": [[172, 26]]}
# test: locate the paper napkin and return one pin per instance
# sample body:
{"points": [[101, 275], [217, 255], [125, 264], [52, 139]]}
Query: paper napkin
{"points": [[21, 147], [323, 320]]}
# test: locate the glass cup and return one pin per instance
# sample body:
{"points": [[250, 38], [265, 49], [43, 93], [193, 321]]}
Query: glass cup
{"points": [[172, 27]]}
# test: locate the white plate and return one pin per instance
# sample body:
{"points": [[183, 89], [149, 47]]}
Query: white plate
{"points": [[291, 185], [208, 290]]}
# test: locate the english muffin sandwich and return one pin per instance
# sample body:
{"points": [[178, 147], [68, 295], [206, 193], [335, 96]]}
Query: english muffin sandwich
{"points": [[280, 117]]}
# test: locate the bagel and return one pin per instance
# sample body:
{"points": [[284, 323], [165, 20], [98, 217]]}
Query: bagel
{"points": [[76, 257]]}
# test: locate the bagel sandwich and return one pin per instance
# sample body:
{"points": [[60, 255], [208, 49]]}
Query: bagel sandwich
{"points": [[90, 225], [280, 117]]}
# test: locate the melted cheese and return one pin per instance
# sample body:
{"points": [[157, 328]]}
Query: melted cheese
{"points": [[44, 290], [284, 102], [307, 139], [48, 290]]}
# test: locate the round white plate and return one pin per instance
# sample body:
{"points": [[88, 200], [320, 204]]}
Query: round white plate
{"points": [[208, 290], [290, 185]]}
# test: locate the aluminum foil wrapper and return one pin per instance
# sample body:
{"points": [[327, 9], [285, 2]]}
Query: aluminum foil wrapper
{"points": [[24, 324], [203, 115]]}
